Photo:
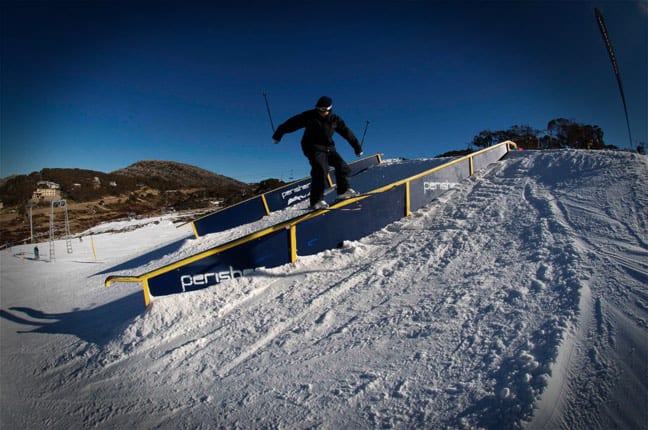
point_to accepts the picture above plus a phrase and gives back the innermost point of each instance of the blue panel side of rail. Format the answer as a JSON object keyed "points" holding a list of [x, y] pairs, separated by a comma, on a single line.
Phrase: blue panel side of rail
{"points": [[269, 251], [234, 216], [329, 230], [489, 157], [362, 165], [430, 187], [288, 195], [386, 173], [281, 198]]}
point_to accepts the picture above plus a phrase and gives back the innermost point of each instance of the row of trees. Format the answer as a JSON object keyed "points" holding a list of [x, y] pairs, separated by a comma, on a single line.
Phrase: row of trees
{"points": [[560, 133]]}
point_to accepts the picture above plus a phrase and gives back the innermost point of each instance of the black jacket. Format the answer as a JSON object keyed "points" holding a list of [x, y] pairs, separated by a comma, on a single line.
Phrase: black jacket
{"points": [[318, 133]]}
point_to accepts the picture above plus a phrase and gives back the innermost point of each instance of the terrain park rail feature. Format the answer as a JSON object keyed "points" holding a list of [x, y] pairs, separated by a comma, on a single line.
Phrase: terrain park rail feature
{"points": [[389, 192], [257, 207]]}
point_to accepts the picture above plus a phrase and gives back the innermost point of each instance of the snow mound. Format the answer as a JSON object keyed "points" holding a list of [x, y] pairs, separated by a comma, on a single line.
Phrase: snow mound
{"points": [[518, 299]]}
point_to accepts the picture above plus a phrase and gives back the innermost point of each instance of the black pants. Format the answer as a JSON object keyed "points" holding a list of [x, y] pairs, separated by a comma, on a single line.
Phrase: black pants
{"points": [[320, 162]]}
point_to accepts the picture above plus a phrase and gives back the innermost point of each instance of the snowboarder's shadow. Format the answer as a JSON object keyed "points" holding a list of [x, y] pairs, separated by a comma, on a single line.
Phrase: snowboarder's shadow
{"points": [[96, 325]]}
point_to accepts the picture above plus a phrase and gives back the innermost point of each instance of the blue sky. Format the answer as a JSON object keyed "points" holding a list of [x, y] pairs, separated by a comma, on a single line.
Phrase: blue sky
{"points": [[103, 84]]}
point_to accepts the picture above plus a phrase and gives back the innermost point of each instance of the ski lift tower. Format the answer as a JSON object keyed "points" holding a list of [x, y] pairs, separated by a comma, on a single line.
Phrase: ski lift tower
{"points": [[68, 242], [30, 206]]}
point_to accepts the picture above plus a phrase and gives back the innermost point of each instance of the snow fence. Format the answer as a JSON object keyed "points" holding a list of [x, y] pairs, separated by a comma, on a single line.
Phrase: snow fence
{"points": [[388, 193]]}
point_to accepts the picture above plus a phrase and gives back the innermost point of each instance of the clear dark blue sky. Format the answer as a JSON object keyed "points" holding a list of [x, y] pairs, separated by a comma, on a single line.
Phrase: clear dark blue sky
{"points": [[102, 84]]}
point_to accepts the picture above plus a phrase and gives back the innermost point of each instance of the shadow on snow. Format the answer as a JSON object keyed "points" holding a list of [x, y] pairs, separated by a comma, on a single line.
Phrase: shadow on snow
{"points": [[97, 325]]}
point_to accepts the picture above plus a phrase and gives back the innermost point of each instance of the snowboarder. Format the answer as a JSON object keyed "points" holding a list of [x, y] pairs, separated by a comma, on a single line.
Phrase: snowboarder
{"points": [[318, 146]]}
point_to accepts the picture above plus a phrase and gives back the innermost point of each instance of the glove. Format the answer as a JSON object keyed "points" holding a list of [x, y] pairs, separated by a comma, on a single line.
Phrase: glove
{"points": [[275, 141]]}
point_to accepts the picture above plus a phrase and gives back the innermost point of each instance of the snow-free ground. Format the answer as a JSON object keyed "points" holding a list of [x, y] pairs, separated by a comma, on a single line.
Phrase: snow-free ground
{"points": [[517, 300]]}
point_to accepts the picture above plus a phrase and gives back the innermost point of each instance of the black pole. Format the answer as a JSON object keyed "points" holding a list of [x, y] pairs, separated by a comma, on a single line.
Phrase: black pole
{"points": [[615, 66], [364, 133], [265, 96]]}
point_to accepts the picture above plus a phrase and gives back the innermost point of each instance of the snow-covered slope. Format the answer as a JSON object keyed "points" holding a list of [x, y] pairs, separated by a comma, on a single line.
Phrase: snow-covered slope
{"points": [[519, 299]]}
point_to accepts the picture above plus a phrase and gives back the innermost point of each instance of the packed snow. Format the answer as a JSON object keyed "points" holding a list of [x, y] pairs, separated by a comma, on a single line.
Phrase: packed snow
{"points": [[519, 299]]}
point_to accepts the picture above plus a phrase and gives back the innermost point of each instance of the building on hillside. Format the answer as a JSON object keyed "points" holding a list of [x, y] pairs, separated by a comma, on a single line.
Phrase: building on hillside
{"points": [[46, 191]]}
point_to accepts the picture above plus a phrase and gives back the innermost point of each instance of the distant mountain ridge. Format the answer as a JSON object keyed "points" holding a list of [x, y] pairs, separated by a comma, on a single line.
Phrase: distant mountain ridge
{"points": [[144, 188], [84, 185], [177, 174]]}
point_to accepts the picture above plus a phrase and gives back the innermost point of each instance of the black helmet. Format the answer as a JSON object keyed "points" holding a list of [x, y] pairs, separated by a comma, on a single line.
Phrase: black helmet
{"points": [[324, 102]]}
